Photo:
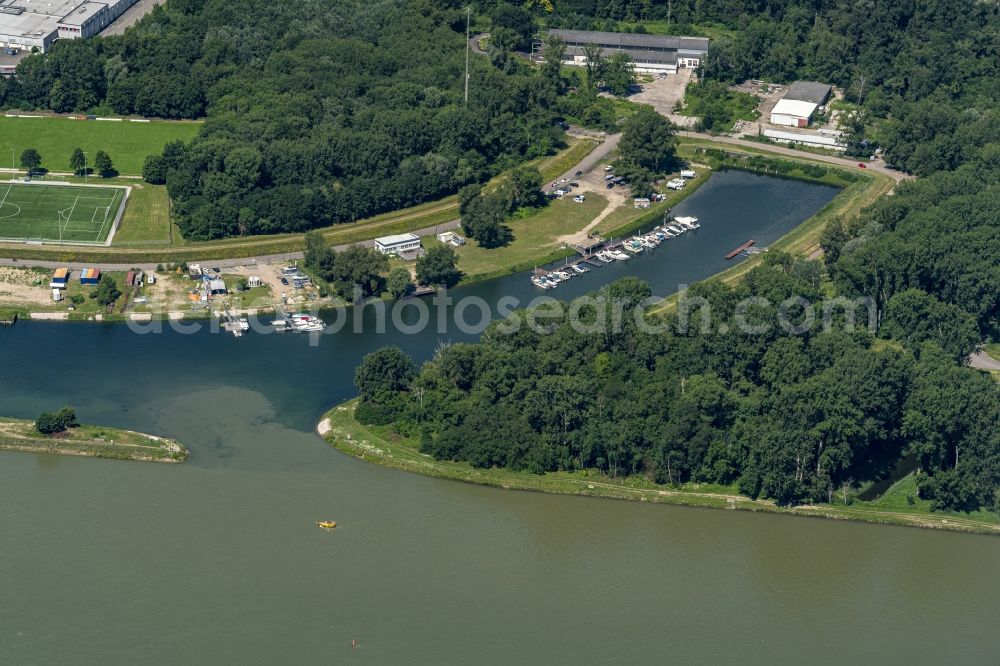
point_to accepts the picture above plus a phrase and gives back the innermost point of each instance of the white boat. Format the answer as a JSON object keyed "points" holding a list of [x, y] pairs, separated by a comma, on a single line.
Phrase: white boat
{"points": [[541, 282], [633, 246], [244, 324], [580, 269], [563, 275], [619, 255], [605, 256], [677, 230], [648, 243], [689, 222], [279, 323]]}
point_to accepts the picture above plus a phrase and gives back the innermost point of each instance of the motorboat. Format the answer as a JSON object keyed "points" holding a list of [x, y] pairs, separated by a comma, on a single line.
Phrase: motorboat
{"points": [[541, 282], [326, 524], [619, 255], [580, 269]]}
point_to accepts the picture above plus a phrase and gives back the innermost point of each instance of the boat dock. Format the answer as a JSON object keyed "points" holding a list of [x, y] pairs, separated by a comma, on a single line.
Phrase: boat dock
{"points": [[598, 252], [233, 324], [740, 249]]}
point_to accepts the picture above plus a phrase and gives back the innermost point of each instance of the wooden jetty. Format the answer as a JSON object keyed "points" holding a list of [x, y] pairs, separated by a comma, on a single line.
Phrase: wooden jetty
{"points": [[741, 248]]}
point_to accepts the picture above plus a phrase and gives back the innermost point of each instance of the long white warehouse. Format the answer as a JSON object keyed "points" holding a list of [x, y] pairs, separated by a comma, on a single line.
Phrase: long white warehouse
{"points": [[37, 24]]}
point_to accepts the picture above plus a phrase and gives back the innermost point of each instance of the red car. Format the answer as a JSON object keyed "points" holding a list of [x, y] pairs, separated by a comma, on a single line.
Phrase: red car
{"points": [[861, 165]]}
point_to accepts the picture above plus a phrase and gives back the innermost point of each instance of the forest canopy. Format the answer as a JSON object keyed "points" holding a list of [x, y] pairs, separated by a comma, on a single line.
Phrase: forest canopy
{"points": [[316, 112]]}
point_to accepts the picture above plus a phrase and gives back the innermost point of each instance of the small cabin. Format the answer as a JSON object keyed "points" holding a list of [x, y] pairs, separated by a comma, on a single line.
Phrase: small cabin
{"points": [[253, 281], [60, 278], [641, 202], [90, 276]]}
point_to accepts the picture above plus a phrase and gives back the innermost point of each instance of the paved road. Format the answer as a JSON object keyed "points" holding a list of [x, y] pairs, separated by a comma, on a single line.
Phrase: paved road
{"points": [[131, 17], [982, 361], [220, 263], [879, 167]]}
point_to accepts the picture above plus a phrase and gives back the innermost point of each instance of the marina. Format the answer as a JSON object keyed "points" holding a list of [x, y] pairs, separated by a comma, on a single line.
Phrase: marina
{"points": [[602, 253]]}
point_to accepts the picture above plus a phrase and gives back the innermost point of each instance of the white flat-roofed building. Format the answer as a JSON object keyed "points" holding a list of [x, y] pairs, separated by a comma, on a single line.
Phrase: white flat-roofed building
{"points": [[792, 113], [28, 24], [398, 244]]}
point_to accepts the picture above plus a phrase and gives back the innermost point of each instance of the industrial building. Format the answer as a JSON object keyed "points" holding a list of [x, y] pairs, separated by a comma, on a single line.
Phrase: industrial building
{"points": [[820, 139], [37, 24], [798, 105], [650, 53]]}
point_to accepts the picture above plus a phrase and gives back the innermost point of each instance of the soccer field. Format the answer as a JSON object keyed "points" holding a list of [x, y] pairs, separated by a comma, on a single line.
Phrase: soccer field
{"points": [[58, 212]]}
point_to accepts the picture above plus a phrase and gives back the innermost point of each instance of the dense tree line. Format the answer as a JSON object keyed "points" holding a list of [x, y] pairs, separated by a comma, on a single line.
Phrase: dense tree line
{"points": [[317, 112], [790, 417], [793, 417]]}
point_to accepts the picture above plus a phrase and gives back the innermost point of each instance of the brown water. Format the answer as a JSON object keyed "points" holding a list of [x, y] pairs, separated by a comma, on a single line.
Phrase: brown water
{"points": [[218, 560]]}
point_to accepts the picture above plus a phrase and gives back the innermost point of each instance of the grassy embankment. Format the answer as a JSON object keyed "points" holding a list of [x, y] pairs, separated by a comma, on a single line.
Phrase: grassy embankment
{"points": [[140, 241], [382, 446], [536, 237], [92, 441], [127, 143]]}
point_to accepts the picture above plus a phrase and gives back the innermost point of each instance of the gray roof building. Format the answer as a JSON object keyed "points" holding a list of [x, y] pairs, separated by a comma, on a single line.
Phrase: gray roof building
{"points": [[632, 40], [648, 52], [808, 91]]}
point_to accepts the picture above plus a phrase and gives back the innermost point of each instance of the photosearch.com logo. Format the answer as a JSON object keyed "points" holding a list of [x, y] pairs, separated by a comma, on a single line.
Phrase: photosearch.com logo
{"points": [[600, 313]]}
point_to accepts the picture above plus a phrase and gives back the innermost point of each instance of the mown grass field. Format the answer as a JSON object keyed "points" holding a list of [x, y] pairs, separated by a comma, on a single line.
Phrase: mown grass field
{"points": [[146, 218], [55, 137], [534, 237], [54, 212]]}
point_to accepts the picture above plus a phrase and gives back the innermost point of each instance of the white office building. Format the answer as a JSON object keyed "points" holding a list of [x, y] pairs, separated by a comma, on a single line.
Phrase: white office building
{"points": [[399, 244]]}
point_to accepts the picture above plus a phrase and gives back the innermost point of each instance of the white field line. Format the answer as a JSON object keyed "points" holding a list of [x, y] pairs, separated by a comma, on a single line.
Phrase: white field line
{"points": [[70, 216], [4, 200], [107, 212]]}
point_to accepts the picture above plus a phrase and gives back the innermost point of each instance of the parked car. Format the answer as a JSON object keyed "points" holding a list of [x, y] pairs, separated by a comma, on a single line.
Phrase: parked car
{"points": [[861, 165], [609, 167], [579, 173], [579, 198], [9, 51], [610, 185], [284, 281], [610, 176]]}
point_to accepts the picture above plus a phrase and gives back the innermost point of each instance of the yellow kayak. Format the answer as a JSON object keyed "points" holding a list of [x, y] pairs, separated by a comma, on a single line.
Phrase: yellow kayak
{"points": [[326, 524]]}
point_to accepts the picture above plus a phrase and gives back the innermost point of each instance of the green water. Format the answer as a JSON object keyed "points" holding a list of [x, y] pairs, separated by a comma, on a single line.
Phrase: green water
{"points": [[218, 560]]}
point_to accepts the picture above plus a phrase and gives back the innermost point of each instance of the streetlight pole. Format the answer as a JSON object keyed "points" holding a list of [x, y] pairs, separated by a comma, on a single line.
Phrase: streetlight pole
{"points": [[85, 168], [468, 18]]}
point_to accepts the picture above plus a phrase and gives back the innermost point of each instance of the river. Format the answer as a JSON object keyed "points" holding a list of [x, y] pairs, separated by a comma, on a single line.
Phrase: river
{"points": [[218, 560]]}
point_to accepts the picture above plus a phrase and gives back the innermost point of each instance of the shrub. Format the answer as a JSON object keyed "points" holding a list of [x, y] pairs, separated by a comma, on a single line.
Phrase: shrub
{"points": [[49, 423]]}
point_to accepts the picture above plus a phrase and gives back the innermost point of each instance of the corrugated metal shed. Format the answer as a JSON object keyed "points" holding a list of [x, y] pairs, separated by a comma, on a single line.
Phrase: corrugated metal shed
{"points": [[90, 276]]}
